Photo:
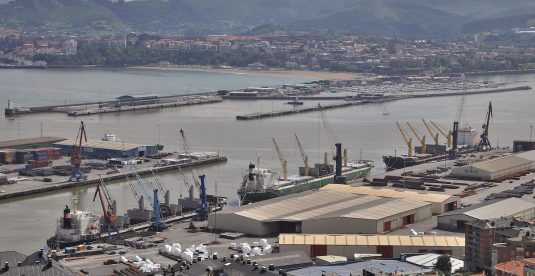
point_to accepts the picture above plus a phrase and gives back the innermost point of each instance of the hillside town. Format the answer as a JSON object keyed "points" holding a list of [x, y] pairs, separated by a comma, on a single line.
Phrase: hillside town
{"points": [[351, 53]]}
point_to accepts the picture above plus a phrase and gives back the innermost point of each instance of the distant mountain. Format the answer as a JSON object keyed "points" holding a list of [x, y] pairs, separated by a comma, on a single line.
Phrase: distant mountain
{"points": [[399, 18]]}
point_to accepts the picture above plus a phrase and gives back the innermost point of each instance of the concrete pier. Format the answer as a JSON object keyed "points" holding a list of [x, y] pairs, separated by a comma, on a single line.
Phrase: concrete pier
{"points": [[25, 189]]}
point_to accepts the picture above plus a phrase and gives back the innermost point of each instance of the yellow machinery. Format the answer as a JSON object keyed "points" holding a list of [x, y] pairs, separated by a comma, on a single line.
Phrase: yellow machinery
{"points": [[421, 139], [448, 135], [430, 130], [283, 161], [303, 154], [408, 140]]}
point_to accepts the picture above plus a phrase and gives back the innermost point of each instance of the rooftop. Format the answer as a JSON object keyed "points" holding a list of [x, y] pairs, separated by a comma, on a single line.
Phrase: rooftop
{"points": [[371, 240], [28, 142], [494, 209], [384, 266], [429, 260], [101, 144], [385, 192]]}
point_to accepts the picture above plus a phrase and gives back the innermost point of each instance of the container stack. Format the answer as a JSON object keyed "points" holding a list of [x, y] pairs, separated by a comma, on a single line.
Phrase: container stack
{"points": [[7, 156], [22, 156]]}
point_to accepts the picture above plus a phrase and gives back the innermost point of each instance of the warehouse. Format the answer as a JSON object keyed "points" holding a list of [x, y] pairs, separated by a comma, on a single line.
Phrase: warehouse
{"points": [[440, 203], [497, 168], [139, 99], [322, 211], [30, 143], [389, 246], [107, 149], [488, 210]]}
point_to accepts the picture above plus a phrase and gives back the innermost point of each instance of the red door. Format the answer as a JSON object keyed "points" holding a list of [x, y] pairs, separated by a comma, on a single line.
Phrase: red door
{"points": [[387, 226], [387, 251], [318, 250]]}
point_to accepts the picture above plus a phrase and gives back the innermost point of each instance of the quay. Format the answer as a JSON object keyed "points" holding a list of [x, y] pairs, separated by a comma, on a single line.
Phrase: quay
{"points": [[31, 188], [276, 113]]}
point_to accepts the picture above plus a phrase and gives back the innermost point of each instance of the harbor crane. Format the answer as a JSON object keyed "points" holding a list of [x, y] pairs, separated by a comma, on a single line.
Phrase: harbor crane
{"points": [[76, 157], [157, 224], [139, 198], [283, 161], [329, 133], [421, 139], [186, 147], [303, 154], [434, 135], [448, 135], [408, 140], [108, 204], [484, 143], [161, 188]]}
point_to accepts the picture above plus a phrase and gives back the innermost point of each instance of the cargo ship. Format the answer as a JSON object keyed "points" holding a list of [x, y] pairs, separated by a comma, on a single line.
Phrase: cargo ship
{"points": [[399, 162], [261, 184], [75, 227]]}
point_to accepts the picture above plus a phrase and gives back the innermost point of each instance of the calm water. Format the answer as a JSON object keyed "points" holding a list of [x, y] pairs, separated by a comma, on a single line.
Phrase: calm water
{"points": [[26, 223]]}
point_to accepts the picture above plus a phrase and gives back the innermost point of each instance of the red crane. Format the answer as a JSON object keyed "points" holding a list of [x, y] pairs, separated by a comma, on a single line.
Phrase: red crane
{"points": [[108, 207], [76, 157], [484, 143]]}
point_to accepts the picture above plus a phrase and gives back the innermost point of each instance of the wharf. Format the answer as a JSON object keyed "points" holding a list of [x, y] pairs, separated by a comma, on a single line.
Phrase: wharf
{"points": [[34, 187], [269, 114]]}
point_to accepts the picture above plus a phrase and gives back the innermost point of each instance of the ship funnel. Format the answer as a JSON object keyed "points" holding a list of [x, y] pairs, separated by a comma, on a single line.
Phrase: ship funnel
{"points": [[338, 178]]}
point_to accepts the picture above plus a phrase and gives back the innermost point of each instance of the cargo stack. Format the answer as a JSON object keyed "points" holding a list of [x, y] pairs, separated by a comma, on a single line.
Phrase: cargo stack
{"points": [[7, 156], [22, 156]]}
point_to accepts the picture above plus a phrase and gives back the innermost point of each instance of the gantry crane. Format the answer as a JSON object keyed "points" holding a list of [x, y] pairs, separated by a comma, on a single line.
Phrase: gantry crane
{"points": [[434, 135], [108, 205], [484, 143], [421, 139], [408, 140], [283, 161], [158, 224], [303, 154], [76, 157], [448, 135]]}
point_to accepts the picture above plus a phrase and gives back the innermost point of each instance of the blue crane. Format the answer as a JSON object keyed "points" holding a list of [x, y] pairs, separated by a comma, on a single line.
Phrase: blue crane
{"points": [[158, 224]]}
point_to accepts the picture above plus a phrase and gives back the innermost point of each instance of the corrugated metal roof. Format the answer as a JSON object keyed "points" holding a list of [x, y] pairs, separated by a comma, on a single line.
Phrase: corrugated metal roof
{"points": [[29, 141], [387, 267], [429, 260], [503, 208], [327, 203], [371, 240], [501, 163], [388, 209], [529, 155], [385, 192], [101, 145]]}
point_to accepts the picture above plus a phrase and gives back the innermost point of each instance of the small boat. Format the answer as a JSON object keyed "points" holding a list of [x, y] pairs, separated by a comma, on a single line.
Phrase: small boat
{"points": [[295, 101], [110, 137]]}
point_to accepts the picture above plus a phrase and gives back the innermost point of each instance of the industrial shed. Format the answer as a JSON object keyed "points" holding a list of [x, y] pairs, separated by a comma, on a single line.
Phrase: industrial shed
{"points": [[497, 168], [492, 209], [322, 211], [389, 246], [107, 149], [440, 203]]}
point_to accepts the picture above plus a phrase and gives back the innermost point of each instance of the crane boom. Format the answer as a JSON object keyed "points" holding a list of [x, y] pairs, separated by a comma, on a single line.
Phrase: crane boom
{"points": [[421, 139], [408, 140], [443, 132], [328, 131], [76, 158], [429, 129], [303, 154], [186, 148], [283, 161], [484, 143]]}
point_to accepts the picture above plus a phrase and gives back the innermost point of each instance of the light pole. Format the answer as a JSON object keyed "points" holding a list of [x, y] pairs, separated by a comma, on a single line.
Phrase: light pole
{"points": [[530, 132]]}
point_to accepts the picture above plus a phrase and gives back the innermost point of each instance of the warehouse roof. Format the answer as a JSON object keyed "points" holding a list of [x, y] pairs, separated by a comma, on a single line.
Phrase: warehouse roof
{"points": [[501, 163], [496, 209], [385, 192], [371, 240], [429, 260], [385, 266], [530, 155], [29, 141], [101, 145], [325, 203]]}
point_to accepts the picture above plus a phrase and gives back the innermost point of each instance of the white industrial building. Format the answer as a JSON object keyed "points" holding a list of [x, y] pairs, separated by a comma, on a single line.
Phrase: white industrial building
{"points": [[497, 168], [440, 203], [389, 246], [488, 210], [330, 211]]}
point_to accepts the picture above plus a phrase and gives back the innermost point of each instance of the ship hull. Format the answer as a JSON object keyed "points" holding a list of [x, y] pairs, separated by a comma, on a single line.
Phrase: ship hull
{"points": [[53, 243], [398, 162], [314, 184]]}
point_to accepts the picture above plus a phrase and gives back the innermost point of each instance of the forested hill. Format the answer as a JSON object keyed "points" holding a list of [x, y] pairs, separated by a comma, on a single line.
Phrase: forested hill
{"points": [[399, 18]]}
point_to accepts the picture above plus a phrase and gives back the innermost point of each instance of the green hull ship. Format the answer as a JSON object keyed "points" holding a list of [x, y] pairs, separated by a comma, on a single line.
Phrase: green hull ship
{"points": [[261, 184]]}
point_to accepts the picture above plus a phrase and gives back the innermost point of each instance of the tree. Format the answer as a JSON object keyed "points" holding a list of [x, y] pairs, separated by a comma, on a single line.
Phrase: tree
{"points": [[443, 265]]}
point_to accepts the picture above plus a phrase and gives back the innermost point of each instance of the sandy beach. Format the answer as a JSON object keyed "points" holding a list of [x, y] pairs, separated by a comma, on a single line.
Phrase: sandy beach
{"points": [[282, 73]]}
